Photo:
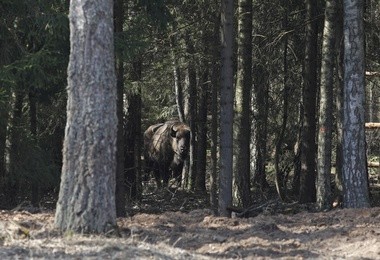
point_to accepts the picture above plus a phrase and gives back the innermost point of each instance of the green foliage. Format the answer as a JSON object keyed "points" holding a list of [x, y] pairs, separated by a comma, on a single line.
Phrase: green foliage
{"points": [[34, 41], [157, 12]]}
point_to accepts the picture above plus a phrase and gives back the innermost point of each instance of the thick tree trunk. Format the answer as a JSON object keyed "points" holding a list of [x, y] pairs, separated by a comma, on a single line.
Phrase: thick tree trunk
{"points": [[226, 109], [242, 171], [86, 201], [355, 175], [308, 138], [326, 107]]}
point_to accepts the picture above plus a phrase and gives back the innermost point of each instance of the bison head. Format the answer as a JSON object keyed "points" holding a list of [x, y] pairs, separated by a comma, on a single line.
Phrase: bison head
{"points": [[181, 139]]}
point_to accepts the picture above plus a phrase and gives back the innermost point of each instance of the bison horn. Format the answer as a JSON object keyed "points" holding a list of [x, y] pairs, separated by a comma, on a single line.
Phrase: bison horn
{"points": [[174, 130]]}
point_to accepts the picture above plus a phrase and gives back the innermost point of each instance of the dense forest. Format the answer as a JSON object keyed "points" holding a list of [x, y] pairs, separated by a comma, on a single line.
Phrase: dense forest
{"points": [[274, 93]]}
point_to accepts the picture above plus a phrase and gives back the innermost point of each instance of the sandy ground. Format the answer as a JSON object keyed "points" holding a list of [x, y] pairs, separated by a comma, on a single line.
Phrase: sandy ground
{"points": [[197, 234]]}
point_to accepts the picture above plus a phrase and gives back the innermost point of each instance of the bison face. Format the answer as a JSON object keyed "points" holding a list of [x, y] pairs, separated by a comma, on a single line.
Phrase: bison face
{"points": [[181, 140]]}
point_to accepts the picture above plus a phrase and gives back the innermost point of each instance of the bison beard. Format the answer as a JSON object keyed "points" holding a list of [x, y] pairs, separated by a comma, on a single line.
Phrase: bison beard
{"points": [[166, 147]]}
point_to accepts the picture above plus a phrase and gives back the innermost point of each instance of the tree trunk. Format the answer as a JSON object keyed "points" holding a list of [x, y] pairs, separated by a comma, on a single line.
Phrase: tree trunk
{"points": [[326, 107], [177, 83], [4, 118], [280, 174], [339, 101], [132, 134], [12, 178], [86, 202], [355, 175], [215, 79], [35, 198], [226, 109], [120, 179], [308, 146], [200, 178], [192, 80], [243, 103]]}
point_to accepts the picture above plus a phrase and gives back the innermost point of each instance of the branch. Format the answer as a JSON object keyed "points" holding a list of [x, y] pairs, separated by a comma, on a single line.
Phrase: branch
{"points": [[372, 73]]}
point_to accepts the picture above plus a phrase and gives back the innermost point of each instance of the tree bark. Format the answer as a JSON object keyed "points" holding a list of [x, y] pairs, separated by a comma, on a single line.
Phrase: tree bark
{"points": [[177, 83], [200, 178], [215, 78], [243, 103], [12, 179], [326, 107], [339, 101], [4, 115], [308, 138], [132, 135], [86, 201], [120, 179], [355, 175], [280, 174], [193, 104], [35, 197], [226, 109]]}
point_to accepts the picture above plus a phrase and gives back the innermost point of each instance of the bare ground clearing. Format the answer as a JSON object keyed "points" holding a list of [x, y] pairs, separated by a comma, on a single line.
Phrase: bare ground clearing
{"points": [[183, 233]]}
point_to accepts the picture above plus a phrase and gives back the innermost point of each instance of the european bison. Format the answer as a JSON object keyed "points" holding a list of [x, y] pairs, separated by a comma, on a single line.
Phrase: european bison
{"points": [[166, 146]]}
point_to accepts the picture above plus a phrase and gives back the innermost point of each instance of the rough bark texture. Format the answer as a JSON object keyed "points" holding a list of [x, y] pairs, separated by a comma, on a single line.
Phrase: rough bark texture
{"points": [[226, 109], [339, 100], [326, 107], [355, 176], [308, 138], [87, 194]]}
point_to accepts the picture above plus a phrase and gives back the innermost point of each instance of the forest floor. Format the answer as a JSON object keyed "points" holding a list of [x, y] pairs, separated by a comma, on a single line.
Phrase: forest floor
{"points": [[178, 225]]}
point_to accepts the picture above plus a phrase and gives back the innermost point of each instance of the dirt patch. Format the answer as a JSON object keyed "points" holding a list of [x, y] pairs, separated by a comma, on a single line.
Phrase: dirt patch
{"points": [[197, 234]]}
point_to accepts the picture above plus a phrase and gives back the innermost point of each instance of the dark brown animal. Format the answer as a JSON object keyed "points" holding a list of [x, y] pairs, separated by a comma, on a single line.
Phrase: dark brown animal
{"points": [[166, 147]]}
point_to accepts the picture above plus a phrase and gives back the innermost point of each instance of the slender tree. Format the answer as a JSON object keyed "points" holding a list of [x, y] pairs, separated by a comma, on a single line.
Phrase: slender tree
{"points": [[35, 180], [339, 100], [226, 108], [193, 104], [280, 175], [243, 102], [200, 178], [215, 79], [355, 175], [132, 133], [87, 194], [120, 178], [177, 81], [308, 137], [326, 107]]}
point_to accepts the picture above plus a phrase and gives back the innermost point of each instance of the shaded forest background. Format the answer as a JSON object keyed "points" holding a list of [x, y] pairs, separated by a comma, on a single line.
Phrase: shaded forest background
{"points": [[168, 56]]}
